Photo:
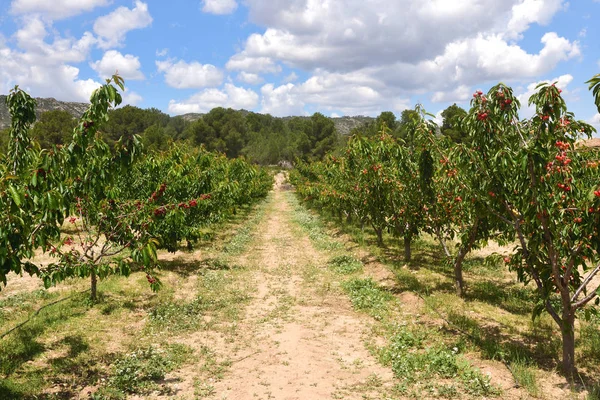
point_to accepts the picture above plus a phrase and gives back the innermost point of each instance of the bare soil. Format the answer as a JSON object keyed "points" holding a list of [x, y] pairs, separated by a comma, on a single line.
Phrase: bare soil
{"points": [[296, 340]]}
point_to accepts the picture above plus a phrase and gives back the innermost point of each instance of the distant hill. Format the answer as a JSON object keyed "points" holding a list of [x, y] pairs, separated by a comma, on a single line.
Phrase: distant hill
{"points": [[343, 124], [43, 105]]}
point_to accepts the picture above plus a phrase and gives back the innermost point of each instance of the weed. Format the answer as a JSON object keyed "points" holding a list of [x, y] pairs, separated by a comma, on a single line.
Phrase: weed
{"points": [[140, 370], [367, 296], [414, 363], [524, 376], [590, 339], [203, 389], [345, 265], [312, 225]]}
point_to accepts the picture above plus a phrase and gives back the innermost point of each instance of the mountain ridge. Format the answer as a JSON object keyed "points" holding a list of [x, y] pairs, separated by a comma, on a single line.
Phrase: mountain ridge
{"points": [[343, 125]]}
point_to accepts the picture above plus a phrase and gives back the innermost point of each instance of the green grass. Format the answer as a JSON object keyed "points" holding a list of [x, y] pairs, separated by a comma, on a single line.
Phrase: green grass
{"points": [[416, 361], [65, 345], [243, 235], [525, 376], [140, 371], [345, 265], [367, 296], [311, 224]]}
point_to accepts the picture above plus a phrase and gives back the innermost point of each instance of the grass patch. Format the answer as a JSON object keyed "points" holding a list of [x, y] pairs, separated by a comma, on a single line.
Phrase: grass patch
{"points": [[415, 364], [367, 296], [590, 339], [345, 265], [525, 376], [218, 296], [311, 224], [243, 235], [140, 371]]}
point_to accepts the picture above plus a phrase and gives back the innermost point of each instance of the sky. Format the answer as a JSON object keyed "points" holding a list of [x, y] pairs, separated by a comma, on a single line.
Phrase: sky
{"points": [[297, 57]]}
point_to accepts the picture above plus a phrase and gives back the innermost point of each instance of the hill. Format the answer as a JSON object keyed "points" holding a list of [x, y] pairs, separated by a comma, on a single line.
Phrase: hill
{"points": [[43, 105], [342, 124]]}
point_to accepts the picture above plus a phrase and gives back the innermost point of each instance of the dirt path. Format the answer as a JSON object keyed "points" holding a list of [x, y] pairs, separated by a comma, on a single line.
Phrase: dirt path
{"points": [[300, 340]]}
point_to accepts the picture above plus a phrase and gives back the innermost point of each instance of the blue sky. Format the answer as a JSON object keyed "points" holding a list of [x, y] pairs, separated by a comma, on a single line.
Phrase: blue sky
{"points": [[295, 57]]}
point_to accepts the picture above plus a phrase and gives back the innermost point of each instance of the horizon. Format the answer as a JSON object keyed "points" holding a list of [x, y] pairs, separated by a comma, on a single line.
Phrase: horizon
{"points": [[339, 58]]}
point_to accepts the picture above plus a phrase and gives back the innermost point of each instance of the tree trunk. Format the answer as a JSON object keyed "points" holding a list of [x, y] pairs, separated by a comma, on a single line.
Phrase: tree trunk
{"points": [[465, 248], [443, 243], [379, 233], [407, 249], [94, 281], [568, 339], [458, 275], [349, 218]]}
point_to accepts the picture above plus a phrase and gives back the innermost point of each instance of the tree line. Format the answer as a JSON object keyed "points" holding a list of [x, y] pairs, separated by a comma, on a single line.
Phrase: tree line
{"points": [[261, 138]]}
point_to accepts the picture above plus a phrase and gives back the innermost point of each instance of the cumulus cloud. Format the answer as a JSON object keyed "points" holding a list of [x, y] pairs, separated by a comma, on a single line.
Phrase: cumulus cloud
{"points": [[42, 68], [128, 66], [131, 98], [249, 78], [351, 34], [461, 93], [528, 12], [219, 7], [182, 75], [57, 9], [281, 101], [204, 101], [351, 94], [113, 27], [292, 77], [243, 62], [379, 48]]}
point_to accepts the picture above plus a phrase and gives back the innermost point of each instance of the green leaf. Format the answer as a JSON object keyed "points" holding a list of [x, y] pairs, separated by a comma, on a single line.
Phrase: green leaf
{"points": [[16, 196]]}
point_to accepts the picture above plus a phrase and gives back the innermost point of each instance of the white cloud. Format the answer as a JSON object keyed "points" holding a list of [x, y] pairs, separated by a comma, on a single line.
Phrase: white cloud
{"points": [[461, 93], [182, 75], [281, 101], [342, 35], [204, 101], [162, 53], [351, 94], [241, 62], [42, 68], [528, 12], [219, 7], [131, 98], [113, 27], [128, 66], [31, 38], [249, 78], [56, 9], [292, 77], [404, 46]]}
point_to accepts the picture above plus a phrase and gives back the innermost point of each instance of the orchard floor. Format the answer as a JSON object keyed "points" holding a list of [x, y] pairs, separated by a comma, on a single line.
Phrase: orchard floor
{"points": [[264, 313]]}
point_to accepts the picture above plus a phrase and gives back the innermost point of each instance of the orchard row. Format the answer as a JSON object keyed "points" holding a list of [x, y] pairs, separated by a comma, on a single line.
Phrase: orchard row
{"points": [[523, 181], [117, 205]]}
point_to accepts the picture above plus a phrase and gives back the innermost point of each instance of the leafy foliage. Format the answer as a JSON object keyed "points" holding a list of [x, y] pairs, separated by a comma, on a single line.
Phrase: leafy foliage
{"points": [[506, 179]]}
